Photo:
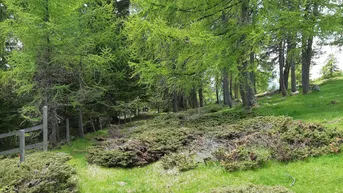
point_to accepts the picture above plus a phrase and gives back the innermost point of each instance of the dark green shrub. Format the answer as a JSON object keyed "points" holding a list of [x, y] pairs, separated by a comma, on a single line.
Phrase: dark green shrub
{"points": [[181, 161], [242, 158], [244, 141], [260, 139], [142, 149], [112, 158], [40, 173]]}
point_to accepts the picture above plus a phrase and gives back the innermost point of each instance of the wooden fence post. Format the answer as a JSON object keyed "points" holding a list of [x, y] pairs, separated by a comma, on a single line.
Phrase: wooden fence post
{"points": [[45, 128], [22, 145], [67, 131]]}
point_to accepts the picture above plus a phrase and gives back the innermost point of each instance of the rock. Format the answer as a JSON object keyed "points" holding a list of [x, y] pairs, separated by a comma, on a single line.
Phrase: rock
{"points": [[316, 88], [122, 183], [238, 101], [295, 93]]}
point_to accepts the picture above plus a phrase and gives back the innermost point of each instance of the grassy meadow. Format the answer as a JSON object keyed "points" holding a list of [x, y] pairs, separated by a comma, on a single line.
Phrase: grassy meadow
{"points": [[313, 175]]}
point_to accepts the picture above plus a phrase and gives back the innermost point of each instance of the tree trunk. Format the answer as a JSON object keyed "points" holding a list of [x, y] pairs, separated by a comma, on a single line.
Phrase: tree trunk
{"points": [[226, 92], [231, 84], [58, 138], [194, 99], [289, 60], [201, 97], [54, 125], [253, 75], [125, 116], [306, 63], [181, 101], [92, 123], [100, 123], [307, 42], [293, 78], [291, 46], [175, 101], [281, 65], [286, 73], [246, 72], [119, 114], [251, 90], [243, 94], [236, 88], [217, 90], [81, 132]]}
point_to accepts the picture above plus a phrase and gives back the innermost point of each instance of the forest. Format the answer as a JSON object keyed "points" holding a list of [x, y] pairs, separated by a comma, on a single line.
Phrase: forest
{"points": [[171, 96]]}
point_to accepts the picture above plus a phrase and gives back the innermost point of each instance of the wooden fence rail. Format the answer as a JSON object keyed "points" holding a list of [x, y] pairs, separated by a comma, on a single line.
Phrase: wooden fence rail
{"points": [[21, 133]]}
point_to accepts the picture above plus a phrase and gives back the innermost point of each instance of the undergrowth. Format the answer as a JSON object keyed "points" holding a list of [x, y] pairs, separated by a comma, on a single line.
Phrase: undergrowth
{"points": [[238, 141], [40, 173]]}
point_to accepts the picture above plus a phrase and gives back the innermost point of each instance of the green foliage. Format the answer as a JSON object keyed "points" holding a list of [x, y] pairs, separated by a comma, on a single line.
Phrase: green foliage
{"points": [[113, 158], [182, 161], [331, 70], [241, 141], [40, 173], [243, 158], [264, 138], [314, 107], [143, 147]]}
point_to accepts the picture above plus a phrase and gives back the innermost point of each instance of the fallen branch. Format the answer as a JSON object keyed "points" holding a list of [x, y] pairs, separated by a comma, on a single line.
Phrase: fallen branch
{"points": [[334, 121], [292, 179]]}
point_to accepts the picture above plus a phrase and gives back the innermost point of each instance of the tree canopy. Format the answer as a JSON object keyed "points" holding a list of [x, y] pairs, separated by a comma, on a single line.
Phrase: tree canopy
{"points": [[97, 59]]}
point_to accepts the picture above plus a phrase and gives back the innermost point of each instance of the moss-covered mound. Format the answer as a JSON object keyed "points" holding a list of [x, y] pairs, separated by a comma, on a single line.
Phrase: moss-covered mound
{"points": [[252, 189], [40, 173], [140, 148], [202, 118], [181, 161], [250, 143], [239, 141]]}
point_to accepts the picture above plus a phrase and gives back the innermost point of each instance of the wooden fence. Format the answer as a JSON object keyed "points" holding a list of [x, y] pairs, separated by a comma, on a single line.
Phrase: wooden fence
{"points": [[21, 134]]}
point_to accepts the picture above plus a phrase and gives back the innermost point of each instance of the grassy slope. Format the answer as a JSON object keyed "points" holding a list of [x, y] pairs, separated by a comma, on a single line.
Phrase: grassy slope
{"points": [[315, 107], [313, 175]]}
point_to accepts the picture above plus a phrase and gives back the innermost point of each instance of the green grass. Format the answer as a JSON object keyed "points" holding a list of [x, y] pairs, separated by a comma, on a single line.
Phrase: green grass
{"points": [[312, 175], [315, 175], [314, 107]]}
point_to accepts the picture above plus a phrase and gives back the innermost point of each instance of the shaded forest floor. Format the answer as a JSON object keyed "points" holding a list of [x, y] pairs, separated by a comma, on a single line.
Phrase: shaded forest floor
{"points": [[321, 174]]}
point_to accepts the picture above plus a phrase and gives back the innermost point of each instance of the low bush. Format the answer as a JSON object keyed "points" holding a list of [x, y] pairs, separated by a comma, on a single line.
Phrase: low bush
{"points": [[250, 143], [182, 161], [238, 140], [242, 158], [40, 173], [139, 149]]}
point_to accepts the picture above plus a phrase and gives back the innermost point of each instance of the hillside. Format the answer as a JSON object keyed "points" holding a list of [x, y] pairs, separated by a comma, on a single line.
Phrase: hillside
{"points": [[178, 147]]}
